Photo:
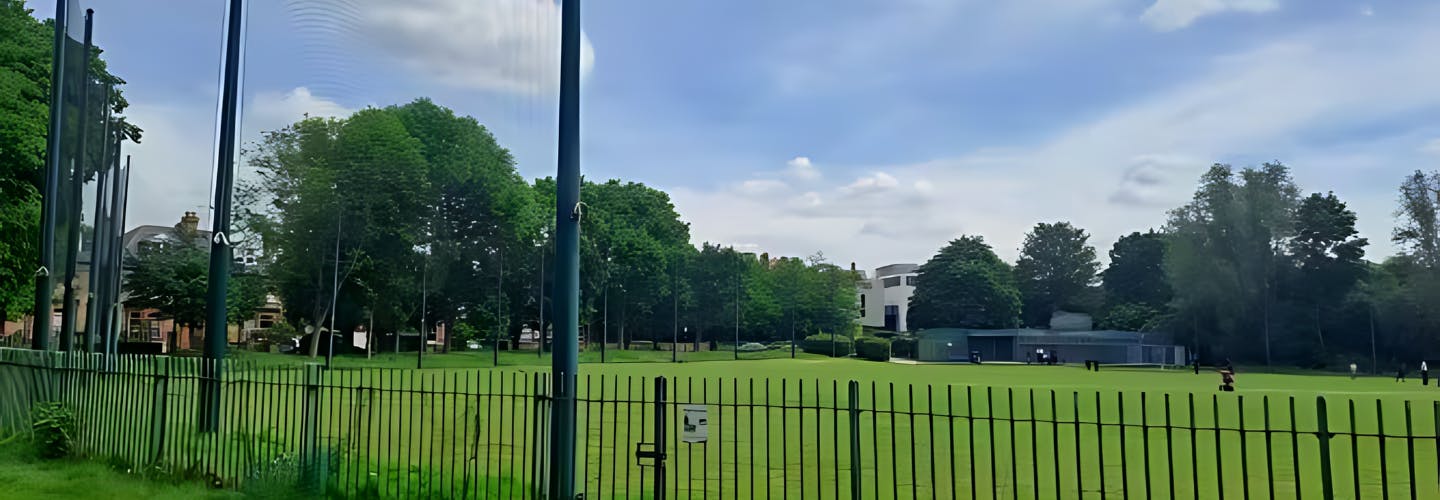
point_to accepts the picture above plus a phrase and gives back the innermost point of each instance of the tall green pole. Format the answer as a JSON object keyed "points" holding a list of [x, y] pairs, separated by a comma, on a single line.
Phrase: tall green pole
{"points": [[566, 293], [219, 279], [71, 303], [44, 278]]}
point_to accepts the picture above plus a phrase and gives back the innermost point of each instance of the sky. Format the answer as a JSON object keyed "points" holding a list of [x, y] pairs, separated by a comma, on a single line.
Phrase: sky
{"points": [[873, 131]]}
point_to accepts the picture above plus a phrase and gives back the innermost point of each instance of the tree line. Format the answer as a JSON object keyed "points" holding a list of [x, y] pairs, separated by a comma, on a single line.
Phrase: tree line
{"points": [[406, 214], [1250, 269]]}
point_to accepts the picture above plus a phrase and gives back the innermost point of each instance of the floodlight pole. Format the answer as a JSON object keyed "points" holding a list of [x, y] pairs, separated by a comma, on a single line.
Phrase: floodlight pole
{"points": [[77, 203], [44, 276], [566, 292], [220, 250]]}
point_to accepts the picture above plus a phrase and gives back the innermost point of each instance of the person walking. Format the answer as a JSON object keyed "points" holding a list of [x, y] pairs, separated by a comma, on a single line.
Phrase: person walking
{"points": [[1424, 373], [1400, 373], [1353, 370]]}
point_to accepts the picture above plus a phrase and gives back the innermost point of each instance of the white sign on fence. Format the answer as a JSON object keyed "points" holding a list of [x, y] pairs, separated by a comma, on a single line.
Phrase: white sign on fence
{"points": [[695, 424]]}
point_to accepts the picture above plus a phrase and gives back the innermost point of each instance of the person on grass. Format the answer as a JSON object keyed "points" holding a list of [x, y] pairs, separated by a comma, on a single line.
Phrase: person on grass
{"points": [[1424, 373], [1353, 369], [1400, 373]]}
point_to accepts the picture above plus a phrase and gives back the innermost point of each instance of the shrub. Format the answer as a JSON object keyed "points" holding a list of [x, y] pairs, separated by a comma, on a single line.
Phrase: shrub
{"points": [[820, 343], [752, 347], [903, 347], [873, 348], [54, 425]]}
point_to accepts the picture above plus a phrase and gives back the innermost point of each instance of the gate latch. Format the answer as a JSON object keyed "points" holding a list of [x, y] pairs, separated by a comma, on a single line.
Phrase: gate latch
{"points": [[648, 451]]}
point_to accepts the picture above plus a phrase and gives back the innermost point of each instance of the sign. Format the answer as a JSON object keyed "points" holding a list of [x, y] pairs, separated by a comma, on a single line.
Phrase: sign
{"points": [[361, 340], [694, 424]]}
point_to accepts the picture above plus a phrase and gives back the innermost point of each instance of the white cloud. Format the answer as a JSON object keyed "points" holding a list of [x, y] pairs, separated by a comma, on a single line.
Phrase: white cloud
{"points": [[874, 183], [801, 168], [1170, 15], [1121, 170], [1431, 147], [491, 45], [273, 110], [759, 187]]}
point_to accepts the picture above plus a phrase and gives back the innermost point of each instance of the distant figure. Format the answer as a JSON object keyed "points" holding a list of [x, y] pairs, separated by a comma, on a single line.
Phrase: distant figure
{"points": [[1400, 373], [1196, 363], [1353, 369], [1424, 373], [1227, 381]]}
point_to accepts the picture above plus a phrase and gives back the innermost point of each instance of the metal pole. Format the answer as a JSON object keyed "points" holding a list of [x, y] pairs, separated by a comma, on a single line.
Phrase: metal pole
{"points": [[499, 303], [424, 298], [736, 350], [564, 365], [1374, 360], [99, 267], [605, 316], [334, 293], [540, 333], [44, 278], [675, 321], [77, 193], [117, 253], [219, 283]]}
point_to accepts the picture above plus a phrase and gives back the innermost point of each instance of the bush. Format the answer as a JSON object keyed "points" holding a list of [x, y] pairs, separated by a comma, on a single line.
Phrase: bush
{"points": [[873, 348], [820, 343], [752, 347], [903, 347], [54, 426]]}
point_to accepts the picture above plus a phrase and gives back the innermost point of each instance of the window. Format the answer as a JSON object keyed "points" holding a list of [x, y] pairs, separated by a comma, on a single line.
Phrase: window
{"points": [[862, 305], [911, 280], [892, 281]]}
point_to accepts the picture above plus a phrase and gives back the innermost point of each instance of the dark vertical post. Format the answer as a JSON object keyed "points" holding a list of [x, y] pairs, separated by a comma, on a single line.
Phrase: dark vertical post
{"points": [[675, 311], [77, 202], [215, 321], [540, 303], [567, 259], [44, 279], [99, 267], [855, 470], [1327, 486]]}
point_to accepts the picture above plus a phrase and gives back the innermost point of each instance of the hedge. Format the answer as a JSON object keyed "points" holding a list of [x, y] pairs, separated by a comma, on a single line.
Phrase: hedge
{"points": [[903, 347], [820, 344], [873, 348]]}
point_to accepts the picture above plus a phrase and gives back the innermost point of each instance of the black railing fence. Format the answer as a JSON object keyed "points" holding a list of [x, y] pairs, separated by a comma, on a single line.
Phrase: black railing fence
{"points": [[484, 433]]}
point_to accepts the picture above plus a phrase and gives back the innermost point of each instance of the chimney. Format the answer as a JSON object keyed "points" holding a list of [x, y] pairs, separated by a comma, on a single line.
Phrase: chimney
{"points": [[190, 223], [852, 267]]}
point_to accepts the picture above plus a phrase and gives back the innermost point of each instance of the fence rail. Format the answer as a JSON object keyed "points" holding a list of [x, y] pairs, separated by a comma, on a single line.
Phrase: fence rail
{"points": [[484, 434]]}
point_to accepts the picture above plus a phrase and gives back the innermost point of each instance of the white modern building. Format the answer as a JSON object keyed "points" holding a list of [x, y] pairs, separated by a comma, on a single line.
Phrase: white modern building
{"points": [[885, 296]]}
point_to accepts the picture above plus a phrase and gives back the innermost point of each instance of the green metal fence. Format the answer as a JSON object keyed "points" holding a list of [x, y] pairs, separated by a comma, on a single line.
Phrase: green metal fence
{"points": [[483, 433]]}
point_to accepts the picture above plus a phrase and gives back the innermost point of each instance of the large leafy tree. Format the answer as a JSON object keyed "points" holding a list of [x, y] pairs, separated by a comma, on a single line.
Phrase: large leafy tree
{"points": [[1056, 267], [965, 285], [1328, 256], [25, 62], [1136, 289], [1419, 217], [170, 276], [1224, 248]]}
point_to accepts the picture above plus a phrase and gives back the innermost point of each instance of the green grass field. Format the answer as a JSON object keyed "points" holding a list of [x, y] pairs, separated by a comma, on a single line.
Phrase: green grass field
{"points": [[23, 476], [783, 427]]}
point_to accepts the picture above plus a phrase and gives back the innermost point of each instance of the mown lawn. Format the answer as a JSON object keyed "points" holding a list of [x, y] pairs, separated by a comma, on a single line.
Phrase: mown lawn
{"points": [[784, 427]]}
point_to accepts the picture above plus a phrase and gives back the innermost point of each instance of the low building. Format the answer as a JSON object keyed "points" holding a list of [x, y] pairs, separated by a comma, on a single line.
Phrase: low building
{"points": [[885, 297], [1024, 344]]}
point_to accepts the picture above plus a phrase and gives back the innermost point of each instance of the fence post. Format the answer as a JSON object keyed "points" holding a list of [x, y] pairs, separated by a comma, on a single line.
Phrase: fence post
{"points": [[661, 432], [312, 475], [855, 483], [1327, 486], [157, 407]]}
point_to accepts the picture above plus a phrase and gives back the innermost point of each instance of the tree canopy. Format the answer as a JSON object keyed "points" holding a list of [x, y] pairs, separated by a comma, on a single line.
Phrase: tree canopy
{"points": [[965, 285], [1056, 267]]}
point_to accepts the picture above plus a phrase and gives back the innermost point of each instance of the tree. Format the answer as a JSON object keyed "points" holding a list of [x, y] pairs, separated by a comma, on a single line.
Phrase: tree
{"points": [[170, 276], [1419, 215], [25, 63], [1327, 255], [1136, 274], [1223, 247], [1056, 267], [247, 294], [965, 285]]}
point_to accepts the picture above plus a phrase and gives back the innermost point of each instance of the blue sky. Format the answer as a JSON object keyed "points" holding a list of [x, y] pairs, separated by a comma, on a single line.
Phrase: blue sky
{"points": [[871, 130]]}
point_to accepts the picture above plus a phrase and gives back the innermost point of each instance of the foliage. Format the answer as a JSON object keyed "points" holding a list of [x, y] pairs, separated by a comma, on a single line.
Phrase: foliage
{"points": [[824, 345], [965, 286], [1055, 268], [25, 57], [1131, 317], [1224, 247], [904, 347], [54, 425], [1136, 274], [1419, 215], [246, 295], [171, 276], [873, 348]]}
